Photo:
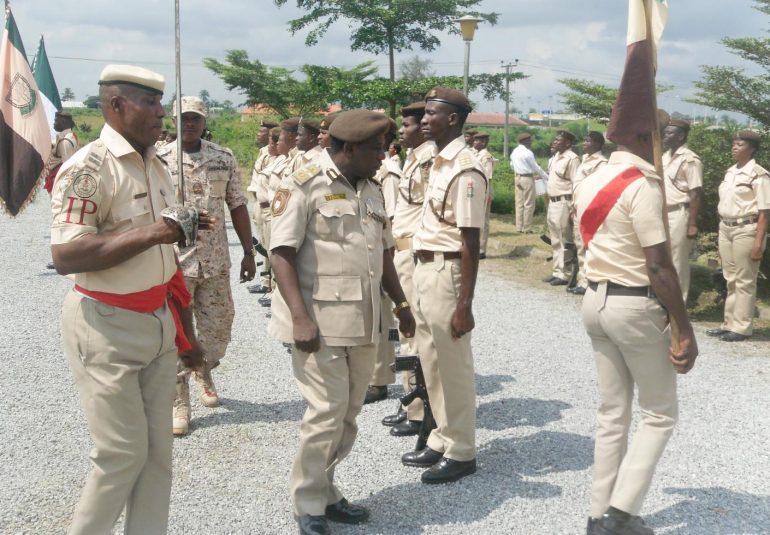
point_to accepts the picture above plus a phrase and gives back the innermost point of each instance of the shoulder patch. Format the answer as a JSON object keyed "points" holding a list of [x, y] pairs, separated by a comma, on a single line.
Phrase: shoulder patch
{"points": [[304, 174], [280, 201], [84, 185]]}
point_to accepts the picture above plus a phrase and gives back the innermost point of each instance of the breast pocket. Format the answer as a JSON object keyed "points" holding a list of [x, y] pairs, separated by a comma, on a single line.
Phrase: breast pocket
{"points": [[135, 213], [330, 220], [744, 192], [338, 306], [218, 183]]}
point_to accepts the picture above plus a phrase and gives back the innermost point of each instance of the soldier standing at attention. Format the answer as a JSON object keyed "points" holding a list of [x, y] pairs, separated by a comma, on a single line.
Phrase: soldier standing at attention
{"points": [[592, 160], [289, 132], [211, 179], [264, 158], [683, 176], [633, 289], [446, 247], [324, 140], [487, 161], [411, 194], [562, 171], [526, 170], [744, 212], [468, 136], [307, 145], [332, 249], [118, 331], [263, 207], [65, 145]]}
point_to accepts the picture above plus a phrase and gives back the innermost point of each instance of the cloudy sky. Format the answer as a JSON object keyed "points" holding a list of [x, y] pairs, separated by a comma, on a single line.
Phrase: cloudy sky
{"points": [[551, 40]]}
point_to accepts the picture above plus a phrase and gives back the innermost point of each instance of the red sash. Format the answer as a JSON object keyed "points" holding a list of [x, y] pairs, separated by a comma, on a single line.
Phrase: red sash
{"points": [[605, 200], [49, 178], [174, 291]]}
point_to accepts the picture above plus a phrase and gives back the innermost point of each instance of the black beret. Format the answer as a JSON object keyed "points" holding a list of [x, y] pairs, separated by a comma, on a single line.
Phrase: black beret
{"points": [[680, 123], [596, 136], [355, 126], [482, 135], [447, 95], [566, 135]]}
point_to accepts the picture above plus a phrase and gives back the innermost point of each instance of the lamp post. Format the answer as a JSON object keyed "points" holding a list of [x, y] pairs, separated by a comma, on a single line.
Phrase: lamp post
{"points": [[468, 25]]}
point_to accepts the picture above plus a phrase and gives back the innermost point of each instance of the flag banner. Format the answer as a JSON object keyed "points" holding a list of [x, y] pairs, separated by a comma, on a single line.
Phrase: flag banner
{"points": [[49, 93], [25, 141], [634, 111]]}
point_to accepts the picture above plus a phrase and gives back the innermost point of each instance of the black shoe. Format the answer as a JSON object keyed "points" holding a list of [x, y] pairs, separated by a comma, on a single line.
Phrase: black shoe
{"points": [[592, 526], [716, 332], [50, 265], [482, 256], [617, 522], [577, 290], [375, 393], [257, 289], [313, 525], [394, 419], [406, 429], [347, 513], [447, 470], [422, 459], [730, 336], [556, 281], [548, 279]]}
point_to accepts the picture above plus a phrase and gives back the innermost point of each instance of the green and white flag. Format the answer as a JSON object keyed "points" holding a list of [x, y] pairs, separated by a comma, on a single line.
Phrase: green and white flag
{"points": [[49, 94], [25, 141]]}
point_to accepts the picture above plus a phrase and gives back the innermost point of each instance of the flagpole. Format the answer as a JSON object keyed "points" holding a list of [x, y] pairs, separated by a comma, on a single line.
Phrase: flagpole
{"points": [[180, 169], [657, 152]]}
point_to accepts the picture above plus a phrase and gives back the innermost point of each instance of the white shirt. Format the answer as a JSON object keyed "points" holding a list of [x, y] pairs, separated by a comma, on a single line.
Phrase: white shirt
{"points": [[523, 163]]}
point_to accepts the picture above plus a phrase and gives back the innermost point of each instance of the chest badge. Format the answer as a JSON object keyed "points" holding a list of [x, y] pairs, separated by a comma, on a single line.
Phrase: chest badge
{"points": [[197, 188]]}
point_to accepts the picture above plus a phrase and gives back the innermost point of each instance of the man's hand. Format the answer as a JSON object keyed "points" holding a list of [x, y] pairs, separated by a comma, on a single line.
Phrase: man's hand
{"points": [[194, 358], [684, 359], [306, 336], [406, 323], [166, 231], [248, 268], [462, 321], [756, 252], [692, 231], [205, 221]]}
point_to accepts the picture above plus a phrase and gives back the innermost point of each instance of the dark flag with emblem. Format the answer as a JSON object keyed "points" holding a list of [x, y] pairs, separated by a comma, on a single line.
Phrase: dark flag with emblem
{"points": [[25, 140], [635, 108]]}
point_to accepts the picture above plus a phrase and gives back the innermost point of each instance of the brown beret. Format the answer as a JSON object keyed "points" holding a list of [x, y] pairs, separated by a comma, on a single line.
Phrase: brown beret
{"points": [[393, 129], [566, 134], [327, 121], [267, 124], [680, 123], [355, 126], [310, 124], [275, 132], [415, 109], [523, 136], [453, 97], [291, 125], [482, 135], [748, 135]]}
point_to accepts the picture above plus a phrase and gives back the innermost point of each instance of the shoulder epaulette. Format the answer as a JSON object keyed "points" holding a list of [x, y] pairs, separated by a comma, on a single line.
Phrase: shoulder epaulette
{"points": [[759, 170], [95, 157], [304, 174], [466, 161]]}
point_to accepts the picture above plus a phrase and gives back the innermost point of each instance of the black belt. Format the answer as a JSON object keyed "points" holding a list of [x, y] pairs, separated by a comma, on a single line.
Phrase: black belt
{"points": [[740, 221], [628, 291], [675, 207], [526, 175], [427, 256], [560, 198], [264, 205]]}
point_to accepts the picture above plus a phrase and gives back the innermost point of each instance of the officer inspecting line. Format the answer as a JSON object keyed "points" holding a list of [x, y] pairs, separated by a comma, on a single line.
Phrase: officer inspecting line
{"points": [[333, 248]]}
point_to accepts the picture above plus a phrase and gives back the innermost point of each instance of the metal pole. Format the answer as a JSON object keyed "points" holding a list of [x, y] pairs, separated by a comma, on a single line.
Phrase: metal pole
{"points": [[180, 169], [467, 65], [507, 107]]}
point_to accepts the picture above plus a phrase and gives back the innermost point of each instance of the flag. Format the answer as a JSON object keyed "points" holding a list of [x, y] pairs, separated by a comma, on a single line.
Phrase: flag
{"points": [[635, 111], [25, 142], [49, 94]]}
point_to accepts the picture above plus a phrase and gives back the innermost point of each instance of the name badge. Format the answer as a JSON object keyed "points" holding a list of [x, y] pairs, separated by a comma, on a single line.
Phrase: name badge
{"points": [[335, 197]]}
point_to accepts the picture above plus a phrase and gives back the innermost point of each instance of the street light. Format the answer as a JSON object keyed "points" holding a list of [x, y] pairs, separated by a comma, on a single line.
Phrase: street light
{"points": [[468, 25]]}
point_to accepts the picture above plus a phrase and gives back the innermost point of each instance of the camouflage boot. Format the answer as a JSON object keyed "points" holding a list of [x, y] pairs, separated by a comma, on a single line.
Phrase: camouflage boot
{"points": [[181, 413], [208, 397]]}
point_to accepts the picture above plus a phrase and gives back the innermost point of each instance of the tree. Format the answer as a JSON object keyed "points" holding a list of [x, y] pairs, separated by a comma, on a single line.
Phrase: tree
{"points": [[92, 102], [205, 96], [591, 99], [380, 26], [67, 94], [730, 88], [415, 69]]}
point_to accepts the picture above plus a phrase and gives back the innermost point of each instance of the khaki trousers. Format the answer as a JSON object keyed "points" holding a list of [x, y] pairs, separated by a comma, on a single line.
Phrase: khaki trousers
{"points": [[524, 196], [580, 281], [404, 263], [446, 362], [333, 382], [124, 367], [740, 272], [485, 229], [214, 312], [560, 230], [386, 353], [681, 246], [631, 341]]}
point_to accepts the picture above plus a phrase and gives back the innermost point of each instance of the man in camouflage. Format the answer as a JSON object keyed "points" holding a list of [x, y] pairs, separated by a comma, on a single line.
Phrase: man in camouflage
{"points": [[211, 179]]}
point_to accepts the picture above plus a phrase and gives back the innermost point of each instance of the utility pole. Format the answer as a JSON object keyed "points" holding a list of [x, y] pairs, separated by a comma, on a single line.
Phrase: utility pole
{"points": [[507, 68]]}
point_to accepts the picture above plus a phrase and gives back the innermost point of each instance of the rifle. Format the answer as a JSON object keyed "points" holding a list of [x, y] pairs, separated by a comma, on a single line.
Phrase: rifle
{"points": [[411, 363]]}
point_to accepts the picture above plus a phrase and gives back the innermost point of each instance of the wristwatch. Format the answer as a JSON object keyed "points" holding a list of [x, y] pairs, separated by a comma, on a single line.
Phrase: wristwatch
{"points": [[250, 252], [399, 307]]}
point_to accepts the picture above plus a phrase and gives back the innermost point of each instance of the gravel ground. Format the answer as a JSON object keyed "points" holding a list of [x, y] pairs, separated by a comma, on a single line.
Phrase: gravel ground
{"points": [[536, 407]]}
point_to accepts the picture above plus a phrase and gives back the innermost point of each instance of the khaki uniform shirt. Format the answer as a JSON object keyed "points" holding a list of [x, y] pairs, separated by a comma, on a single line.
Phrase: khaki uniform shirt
{"points": [[65, 145], [340, 233], [109, 187], [411, 190], [562, 170], [211, 179], [455, 198], [263, 160], [615, 253], [487, 162], [303, 158], [683, 171], [291, 158], [744, 192], [388, 176], [589, 164]]}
